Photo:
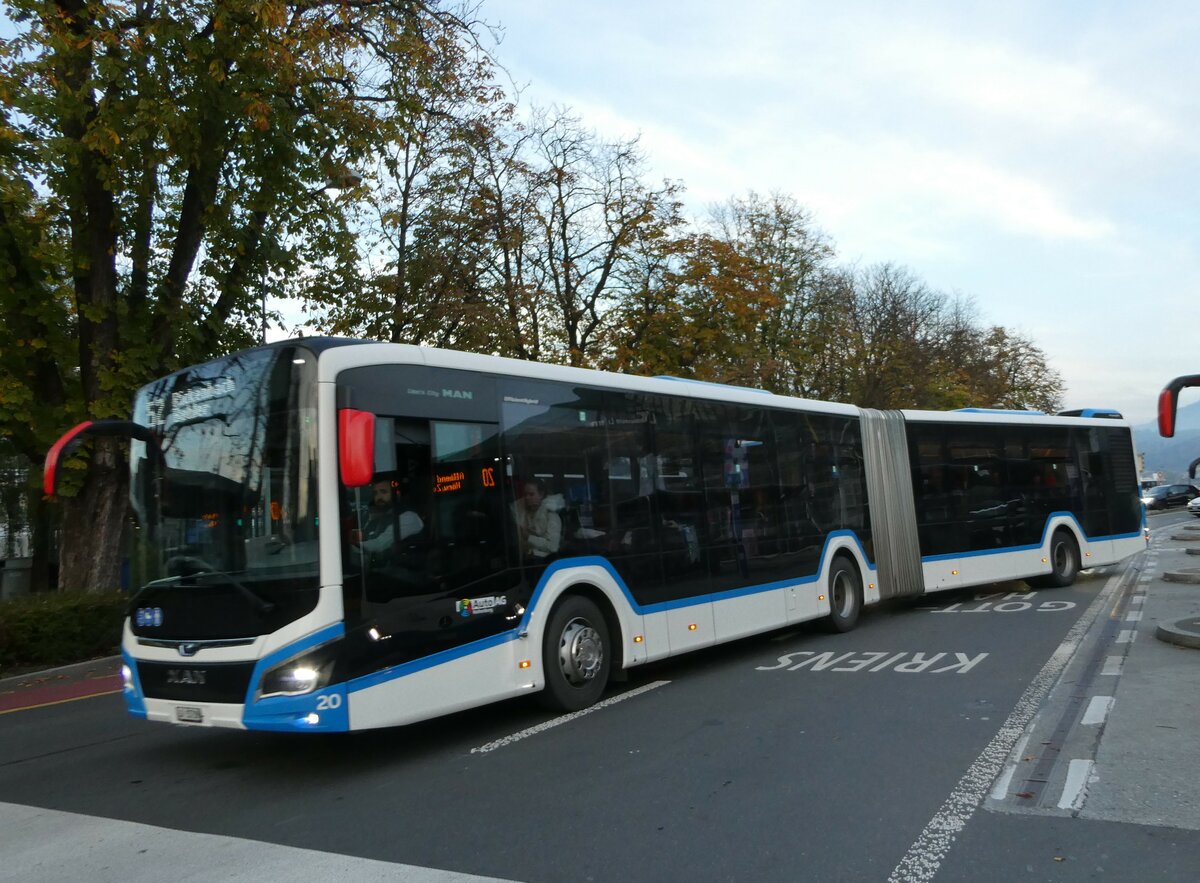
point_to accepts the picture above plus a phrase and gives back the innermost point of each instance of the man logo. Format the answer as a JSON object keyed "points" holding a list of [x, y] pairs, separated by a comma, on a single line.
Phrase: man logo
{"points": [[188, 648], [191, 677]]}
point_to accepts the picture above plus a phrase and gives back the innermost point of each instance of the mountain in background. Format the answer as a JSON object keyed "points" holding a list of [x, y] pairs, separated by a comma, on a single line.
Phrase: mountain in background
{"points": [[1171, 456]]}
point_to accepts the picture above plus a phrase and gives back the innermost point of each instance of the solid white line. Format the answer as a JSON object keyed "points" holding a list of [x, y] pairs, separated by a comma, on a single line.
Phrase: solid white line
{"points": [[924, 857], [1075, 789], [1097, 711], [1112, 665], [1133, 616], [1126, 636], [566, 718]]}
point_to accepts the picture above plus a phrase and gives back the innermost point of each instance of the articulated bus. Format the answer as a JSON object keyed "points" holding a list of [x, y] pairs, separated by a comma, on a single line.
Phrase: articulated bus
{"points": [[336, 535]]}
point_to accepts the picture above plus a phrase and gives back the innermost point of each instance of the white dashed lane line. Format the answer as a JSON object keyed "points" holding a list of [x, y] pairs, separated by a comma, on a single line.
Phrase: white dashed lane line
{"points": [[1097, 711], [566, 718], [1078, 774]]}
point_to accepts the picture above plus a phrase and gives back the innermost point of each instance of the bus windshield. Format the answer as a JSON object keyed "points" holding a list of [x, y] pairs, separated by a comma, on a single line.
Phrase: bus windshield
{"points": [[229, 509]]}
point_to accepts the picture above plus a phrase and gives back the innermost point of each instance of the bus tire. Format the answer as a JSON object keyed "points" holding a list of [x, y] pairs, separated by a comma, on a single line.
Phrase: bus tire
{"points": [[1064, 563], [576, 655], [845, 596]]}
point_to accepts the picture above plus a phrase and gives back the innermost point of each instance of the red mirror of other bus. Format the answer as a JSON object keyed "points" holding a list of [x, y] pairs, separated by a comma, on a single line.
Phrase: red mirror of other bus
{"points": [[356, 447], [1168, 400]]}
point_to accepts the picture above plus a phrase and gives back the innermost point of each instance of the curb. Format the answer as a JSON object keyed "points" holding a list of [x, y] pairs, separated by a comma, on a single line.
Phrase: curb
{"points": [[1188, 575], [105, 665], [1184, 632]]}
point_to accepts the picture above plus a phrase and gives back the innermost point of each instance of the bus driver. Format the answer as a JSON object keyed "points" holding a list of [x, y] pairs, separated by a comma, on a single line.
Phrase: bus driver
{"points": [[379, 528]]}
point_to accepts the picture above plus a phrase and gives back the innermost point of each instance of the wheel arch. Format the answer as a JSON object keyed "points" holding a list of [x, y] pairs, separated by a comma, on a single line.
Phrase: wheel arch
{"points": [[848, 546], [598, 585], [1073, 529]]}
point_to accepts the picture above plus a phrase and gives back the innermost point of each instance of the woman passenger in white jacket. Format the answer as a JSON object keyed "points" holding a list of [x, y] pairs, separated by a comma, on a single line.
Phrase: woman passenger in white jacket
{"points": [[539, 526]]}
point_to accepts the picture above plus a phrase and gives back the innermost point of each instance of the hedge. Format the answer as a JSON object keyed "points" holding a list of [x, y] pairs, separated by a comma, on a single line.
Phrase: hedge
{"points": [[46, 630]]}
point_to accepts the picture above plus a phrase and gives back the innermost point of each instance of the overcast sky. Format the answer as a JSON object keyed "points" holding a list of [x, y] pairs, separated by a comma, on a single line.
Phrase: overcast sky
{"points": [[1040, 157]]}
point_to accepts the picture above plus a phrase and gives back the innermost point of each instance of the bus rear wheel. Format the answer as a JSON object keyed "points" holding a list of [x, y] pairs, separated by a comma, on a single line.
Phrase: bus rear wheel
{"points": [[576, 655], [1064, 563], [845, 596]]}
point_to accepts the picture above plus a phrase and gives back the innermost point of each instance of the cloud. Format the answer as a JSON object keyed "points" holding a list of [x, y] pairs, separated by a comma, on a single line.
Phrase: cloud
{"points": [[1009, 87]]}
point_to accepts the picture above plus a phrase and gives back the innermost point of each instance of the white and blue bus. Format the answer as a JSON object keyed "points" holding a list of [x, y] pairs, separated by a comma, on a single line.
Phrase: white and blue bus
{"points": [[336, 535]]}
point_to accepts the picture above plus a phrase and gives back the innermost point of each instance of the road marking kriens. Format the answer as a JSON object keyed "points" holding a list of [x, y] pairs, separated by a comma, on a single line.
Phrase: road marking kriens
{"points": [[1113, 665], [877, 660], [1133, 616], [924, 857], [566, 718], [1127, 636]]}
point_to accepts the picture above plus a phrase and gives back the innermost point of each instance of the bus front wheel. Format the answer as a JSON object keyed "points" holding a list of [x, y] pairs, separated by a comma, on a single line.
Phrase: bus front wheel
{"points": [[1064, 563], [576, 655], [845, 596]]}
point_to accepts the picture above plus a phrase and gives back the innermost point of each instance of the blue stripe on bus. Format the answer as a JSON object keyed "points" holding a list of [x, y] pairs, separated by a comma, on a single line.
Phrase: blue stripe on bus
{"points": [[289, 713], [662, 606], [435, 659], [497, 640], [444, 656], [951, 556]]}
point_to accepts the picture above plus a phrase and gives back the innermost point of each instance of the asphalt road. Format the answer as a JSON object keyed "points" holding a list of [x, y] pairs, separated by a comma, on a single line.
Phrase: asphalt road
{"points": [[795, 755]]}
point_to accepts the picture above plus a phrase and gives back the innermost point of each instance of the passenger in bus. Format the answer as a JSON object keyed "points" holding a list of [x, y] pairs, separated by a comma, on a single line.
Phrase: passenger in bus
{"points": [[539, 526], [385, 513]]}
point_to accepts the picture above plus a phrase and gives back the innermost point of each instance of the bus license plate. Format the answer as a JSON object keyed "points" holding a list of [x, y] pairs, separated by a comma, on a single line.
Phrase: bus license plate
{"points": [[189, 714]]}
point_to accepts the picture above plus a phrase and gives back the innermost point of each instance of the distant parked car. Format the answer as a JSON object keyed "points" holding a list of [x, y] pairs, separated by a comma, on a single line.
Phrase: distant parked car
{"points": [[1194, 507], [1167, 495]]}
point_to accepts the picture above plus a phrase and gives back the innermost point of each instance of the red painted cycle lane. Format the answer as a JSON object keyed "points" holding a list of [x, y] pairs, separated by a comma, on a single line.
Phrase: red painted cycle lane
{"points": [[38, 694]]}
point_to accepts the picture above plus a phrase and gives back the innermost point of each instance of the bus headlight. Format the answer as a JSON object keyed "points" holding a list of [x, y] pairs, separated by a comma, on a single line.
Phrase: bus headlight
{"points": [[295, 678], [308, 671]]}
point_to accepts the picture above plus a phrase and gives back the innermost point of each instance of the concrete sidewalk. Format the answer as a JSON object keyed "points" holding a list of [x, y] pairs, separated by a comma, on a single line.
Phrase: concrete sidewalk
{"points": [[1117, 737], [1145, 756], [1146, 759]]}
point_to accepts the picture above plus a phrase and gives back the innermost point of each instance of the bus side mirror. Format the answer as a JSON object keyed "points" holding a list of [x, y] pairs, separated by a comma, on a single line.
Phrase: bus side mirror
{"points": [[1168, 399], [356, 447], [73, 437]]}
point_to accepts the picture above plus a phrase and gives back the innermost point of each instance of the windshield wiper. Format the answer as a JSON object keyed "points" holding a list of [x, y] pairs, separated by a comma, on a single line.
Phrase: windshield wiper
{"points": [[200, 567]]}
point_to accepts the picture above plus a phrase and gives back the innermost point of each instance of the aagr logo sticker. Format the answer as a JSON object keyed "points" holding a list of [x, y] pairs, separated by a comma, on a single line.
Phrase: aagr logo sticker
{"points": [[471, 606]]}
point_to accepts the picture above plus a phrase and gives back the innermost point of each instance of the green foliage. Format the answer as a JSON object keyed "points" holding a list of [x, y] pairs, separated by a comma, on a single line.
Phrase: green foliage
{"points": [[58, 629], [161, 166]]}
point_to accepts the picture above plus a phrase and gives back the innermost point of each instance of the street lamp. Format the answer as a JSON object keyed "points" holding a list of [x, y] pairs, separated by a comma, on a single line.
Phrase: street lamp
{"points": [[341, 179]]}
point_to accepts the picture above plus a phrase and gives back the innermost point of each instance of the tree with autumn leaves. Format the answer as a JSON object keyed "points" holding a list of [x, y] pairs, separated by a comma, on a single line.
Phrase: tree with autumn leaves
{"points": [[163, 168], [162, 164]]}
